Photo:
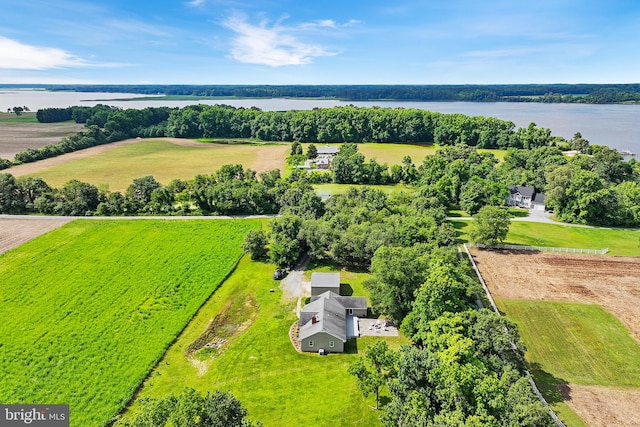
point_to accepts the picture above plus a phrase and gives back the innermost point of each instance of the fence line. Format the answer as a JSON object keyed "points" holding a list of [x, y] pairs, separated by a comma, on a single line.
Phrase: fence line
{"points": [[540, 249], [557, 420]]}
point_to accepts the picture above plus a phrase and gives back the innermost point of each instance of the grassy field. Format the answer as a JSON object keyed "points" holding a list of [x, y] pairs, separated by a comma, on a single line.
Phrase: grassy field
{"points": [[28, 117], [165, 161], [87, 310], [257, 362], [619, 242], [333, 189], [574, 343]]}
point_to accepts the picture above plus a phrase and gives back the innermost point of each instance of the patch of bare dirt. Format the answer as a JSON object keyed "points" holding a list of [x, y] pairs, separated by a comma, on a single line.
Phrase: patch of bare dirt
{"points": [[603, 406], [17, 137], [611, 282], [14, 232], [221, 329]]}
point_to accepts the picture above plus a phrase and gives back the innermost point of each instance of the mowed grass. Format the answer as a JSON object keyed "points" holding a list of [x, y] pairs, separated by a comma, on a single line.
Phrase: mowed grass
{"points": [[28, 117], [335, 189], [258, 364], [87, 310], [164, 160], [579, 343], [619, 242], [574, 343]]}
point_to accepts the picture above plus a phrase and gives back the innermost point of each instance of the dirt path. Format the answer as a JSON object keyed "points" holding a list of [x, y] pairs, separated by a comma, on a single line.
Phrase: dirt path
{"points": [[294, 285], [16, 231]]}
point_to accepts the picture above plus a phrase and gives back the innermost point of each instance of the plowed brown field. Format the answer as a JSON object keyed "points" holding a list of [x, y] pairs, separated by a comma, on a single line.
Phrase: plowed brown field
{"points": [[611, 282], [14, 232]]}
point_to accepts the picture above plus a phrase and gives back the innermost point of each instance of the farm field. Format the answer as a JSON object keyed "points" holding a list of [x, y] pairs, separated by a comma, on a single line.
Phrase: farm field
{"points": [[257, 362], [20, 133], [16, 231], [88, 309], [165, 159], [579, 316], [620, 242]]}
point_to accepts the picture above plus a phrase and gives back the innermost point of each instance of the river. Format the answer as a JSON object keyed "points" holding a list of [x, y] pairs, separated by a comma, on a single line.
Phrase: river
{"points": [[612, 124]]}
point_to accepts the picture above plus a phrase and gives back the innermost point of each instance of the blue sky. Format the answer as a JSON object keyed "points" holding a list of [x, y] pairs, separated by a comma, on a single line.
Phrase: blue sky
{"points": [[320, 42]]}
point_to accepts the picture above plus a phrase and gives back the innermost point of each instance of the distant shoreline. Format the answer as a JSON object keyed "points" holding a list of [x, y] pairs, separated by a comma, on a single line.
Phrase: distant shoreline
{"points": [[529, 93]]}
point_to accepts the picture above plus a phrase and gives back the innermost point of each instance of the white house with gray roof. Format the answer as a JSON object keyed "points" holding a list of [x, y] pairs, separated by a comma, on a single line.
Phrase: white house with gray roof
{"points": [[329, 321]]}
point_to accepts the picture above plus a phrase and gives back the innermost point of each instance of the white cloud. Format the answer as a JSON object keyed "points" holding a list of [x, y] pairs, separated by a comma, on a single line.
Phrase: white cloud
{"points": [[274, 45], [20, 56], [195, 3]]}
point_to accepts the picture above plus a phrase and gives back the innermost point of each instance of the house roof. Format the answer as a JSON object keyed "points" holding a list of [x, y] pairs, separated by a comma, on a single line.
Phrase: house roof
{"points": [[524, 191], [325, 149], [323, 315], [325, 280], [540, 198], [346, 302]]}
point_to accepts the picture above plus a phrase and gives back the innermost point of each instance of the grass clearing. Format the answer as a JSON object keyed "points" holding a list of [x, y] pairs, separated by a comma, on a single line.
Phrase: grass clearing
{"points": [[620, 242], [87, 310], [258, 364], [164, 159], [577, 344], [335, 189], [28, 117]]}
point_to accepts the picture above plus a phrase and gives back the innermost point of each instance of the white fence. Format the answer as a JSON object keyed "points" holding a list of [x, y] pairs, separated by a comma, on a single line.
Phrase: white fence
{"points": [[541, 249], [557, 420]]}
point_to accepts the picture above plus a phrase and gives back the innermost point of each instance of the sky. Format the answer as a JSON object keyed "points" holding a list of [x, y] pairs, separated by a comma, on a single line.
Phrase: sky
{"points": [[289, 42]]}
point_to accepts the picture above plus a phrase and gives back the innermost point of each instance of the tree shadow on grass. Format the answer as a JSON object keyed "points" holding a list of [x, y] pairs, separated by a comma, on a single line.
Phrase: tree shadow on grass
{"points": [[554, 389]]}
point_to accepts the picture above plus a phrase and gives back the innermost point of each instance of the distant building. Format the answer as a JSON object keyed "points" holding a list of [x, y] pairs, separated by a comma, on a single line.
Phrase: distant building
{"points": [[325, 155]]}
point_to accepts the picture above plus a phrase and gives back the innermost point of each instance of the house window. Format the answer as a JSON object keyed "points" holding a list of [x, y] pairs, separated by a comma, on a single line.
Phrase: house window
{"points": [[332, 344], [310, 343]]}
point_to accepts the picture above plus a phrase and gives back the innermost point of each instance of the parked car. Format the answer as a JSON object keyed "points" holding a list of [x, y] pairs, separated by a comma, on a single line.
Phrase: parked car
{"points": [[279, 274]]}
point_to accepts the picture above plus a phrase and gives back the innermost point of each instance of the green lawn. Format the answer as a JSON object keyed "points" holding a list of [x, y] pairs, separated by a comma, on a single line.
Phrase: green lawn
{"points": [[28, 117], [117, 168], [258, 364], [574, 343], [619, 242], [334, 189], [87, 310]]}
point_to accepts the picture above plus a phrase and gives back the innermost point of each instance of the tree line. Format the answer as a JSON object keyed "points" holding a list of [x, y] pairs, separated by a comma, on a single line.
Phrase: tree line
{"points": [[232, 190], [580, 93]]}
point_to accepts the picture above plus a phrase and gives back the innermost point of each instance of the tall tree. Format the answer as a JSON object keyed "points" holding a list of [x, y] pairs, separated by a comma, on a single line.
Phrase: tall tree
{"points": [[490, 226], [374, 369]]}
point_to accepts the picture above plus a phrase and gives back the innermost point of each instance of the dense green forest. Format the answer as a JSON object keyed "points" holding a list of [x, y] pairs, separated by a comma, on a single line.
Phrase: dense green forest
{"points": [[567, 93]]}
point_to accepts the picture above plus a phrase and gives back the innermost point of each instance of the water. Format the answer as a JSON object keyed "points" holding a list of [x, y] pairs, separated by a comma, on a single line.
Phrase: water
{"points": [[614, 125]]}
